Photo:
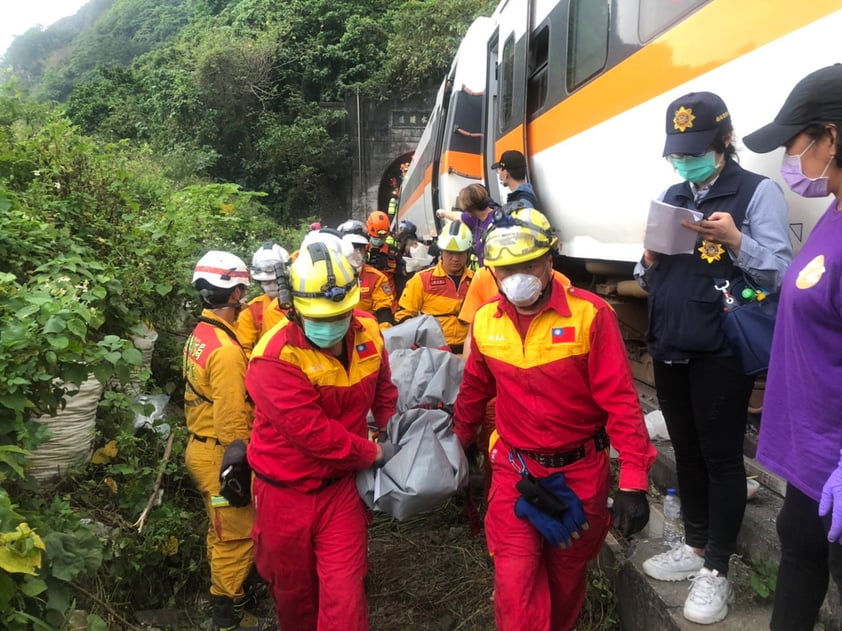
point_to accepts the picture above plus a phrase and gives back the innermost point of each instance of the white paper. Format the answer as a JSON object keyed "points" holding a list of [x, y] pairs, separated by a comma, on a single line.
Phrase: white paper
{"points": [[664, 232]]}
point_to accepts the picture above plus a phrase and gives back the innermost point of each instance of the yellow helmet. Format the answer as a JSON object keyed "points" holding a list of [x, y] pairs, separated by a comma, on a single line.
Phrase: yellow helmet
{"points": [[455, 237], [517, 236], [323, 282]]}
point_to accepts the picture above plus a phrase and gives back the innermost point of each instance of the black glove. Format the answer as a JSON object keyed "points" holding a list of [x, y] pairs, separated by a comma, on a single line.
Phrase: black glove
{"points": [[387, 452], [235, 475], [631, 512]]}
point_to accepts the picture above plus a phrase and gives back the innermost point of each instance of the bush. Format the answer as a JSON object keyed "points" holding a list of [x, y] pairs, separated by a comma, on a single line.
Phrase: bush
{"points": [[97, 240]]}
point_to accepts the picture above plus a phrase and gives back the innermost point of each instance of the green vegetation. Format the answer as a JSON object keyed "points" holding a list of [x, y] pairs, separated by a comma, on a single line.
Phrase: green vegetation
{"points": [[242, 91], [181, 126]]}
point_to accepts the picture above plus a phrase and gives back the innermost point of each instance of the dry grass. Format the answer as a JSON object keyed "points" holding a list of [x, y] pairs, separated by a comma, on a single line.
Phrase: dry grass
{"points": [[429, 574]]}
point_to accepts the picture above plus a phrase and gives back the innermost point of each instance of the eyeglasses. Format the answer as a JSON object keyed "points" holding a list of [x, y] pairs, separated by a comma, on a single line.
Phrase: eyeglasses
{"points": [[263, 268]]}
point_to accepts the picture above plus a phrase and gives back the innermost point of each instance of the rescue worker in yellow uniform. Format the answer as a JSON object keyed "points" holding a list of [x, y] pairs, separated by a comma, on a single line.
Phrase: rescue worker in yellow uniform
{"points": [[314, 378], [376, 295], [554, 357], [250, 322], [218, 411], [383, 254], [439, 291]]}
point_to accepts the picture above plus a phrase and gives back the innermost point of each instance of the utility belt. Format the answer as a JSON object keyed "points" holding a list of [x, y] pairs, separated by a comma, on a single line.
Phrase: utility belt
{"points": [[324, 483], [204, 439], [554, 461]]}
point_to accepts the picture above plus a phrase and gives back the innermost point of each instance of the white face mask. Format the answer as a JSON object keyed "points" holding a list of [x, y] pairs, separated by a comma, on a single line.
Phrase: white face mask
{"points": [[270, 288], [355, 258], [521, 289]]}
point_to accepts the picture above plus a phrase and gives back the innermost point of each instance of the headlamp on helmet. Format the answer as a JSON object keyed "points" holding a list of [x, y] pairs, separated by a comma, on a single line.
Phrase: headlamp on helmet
{"points": [[324, 283]]}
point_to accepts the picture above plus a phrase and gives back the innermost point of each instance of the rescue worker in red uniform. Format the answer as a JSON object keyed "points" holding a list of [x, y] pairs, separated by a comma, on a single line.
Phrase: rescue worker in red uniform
{"points": [[376, 295], [218, 412], [275, 311], [439, 291], [383, 254], [554, 357], [250, 323], [313, 379]]}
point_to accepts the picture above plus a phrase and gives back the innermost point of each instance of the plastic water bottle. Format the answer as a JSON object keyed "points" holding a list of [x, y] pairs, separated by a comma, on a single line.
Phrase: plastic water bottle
{"points": [[672, 519]]}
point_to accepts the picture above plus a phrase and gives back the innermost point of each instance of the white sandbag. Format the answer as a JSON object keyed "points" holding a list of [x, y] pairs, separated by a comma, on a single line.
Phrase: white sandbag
{"points": [[71, 431]]}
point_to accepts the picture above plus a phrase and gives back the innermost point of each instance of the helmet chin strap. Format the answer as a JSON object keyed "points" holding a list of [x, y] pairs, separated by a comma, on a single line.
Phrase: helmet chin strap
{"points": [[237, 306]]}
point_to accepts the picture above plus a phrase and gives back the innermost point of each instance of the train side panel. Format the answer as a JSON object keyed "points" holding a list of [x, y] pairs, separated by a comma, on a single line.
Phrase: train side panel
{"points": [[595, 156], [449, 154]]}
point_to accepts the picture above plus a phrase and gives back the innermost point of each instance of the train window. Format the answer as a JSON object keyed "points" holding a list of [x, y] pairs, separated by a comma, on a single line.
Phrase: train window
{"points": [[657, 15], [507, 84], [536, 92], [587, 41]]}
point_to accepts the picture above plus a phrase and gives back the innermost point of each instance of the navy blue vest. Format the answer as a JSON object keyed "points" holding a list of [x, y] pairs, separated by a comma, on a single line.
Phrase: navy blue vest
{"points": [[684, 306]]}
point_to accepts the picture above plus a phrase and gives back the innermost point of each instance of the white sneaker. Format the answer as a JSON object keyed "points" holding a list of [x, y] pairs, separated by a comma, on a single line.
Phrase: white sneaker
{"points": [[676, 564], [708, 599]]}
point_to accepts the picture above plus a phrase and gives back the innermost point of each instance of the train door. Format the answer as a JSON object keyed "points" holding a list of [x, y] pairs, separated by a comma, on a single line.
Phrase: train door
{"points": [[507, 85]]}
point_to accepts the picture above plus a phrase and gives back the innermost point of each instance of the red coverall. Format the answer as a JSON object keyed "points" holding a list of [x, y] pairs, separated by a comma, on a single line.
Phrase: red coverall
{"points": [[560, 377], [309, 439]]}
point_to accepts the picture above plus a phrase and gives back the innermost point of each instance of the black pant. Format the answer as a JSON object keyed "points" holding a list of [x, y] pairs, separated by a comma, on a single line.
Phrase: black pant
{"points": [[705, 404], [806, 560]]}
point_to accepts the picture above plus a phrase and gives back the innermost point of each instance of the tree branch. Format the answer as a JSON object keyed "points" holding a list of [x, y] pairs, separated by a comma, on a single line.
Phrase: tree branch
{"points": [[154, 496]]}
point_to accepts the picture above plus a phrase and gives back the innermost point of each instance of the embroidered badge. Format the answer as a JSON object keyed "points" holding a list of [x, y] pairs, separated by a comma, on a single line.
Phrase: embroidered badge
{"points": [[683, 119], [811, 273], [711, 251]]}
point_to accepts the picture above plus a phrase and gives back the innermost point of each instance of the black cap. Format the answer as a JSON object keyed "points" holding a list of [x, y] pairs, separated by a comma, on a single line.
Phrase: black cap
{"points": [[817, 98], [510, 160], [693, 121]]}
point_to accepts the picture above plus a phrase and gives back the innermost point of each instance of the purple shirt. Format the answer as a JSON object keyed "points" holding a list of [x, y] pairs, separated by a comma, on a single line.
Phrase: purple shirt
{"points": [[478, 229], [801, 426]]}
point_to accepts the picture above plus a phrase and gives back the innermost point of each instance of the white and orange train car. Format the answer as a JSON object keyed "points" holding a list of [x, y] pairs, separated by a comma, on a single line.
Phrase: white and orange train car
{"points": [[581, 87]]}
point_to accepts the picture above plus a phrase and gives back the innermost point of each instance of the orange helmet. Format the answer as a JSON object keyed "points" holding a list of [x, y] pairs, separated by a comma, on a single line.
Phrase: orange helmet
{"points": [[378, 224]]}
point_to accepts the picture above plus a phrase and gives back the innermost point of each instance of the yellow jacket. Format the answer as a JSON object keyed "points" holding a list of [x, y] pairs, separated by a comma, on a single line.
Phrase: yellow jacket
{"points": [[375, 291], [272, 314], [250, 322], [215, 400], [433, 292]]}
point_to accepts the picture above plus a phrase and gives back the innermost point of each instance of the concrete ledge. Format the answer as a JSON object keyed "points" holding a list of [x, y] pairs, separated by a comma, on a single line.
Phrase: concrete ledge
{"points": [[756, 543]]}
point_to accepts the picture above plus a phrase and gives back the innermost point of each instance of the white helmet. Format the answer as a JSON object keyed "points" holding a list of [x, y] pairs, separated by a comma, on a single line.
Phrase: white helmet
{"points": [[264, 260], [222, 270], [352, 226], [455, 237], [357, 255]]}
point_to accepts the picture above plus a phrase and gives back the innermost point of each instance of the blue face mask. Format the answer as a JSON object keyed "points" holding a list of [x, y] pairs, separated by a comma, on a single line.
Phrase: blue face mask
{"points": [[695, 168], [326, 333]]}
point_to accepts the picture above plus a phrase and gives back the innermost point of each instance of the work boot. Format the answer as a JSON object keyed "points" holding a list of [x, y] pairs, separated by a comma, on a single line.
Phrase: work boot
{"points": [[255, 591], [228, 616]]}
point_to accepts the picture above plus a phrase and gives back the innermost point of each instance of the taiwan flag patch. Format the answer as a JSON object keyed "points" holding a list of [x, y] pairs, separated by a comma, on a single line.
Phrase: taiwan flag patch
{"points": [[366, 349], [563, 335]]}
